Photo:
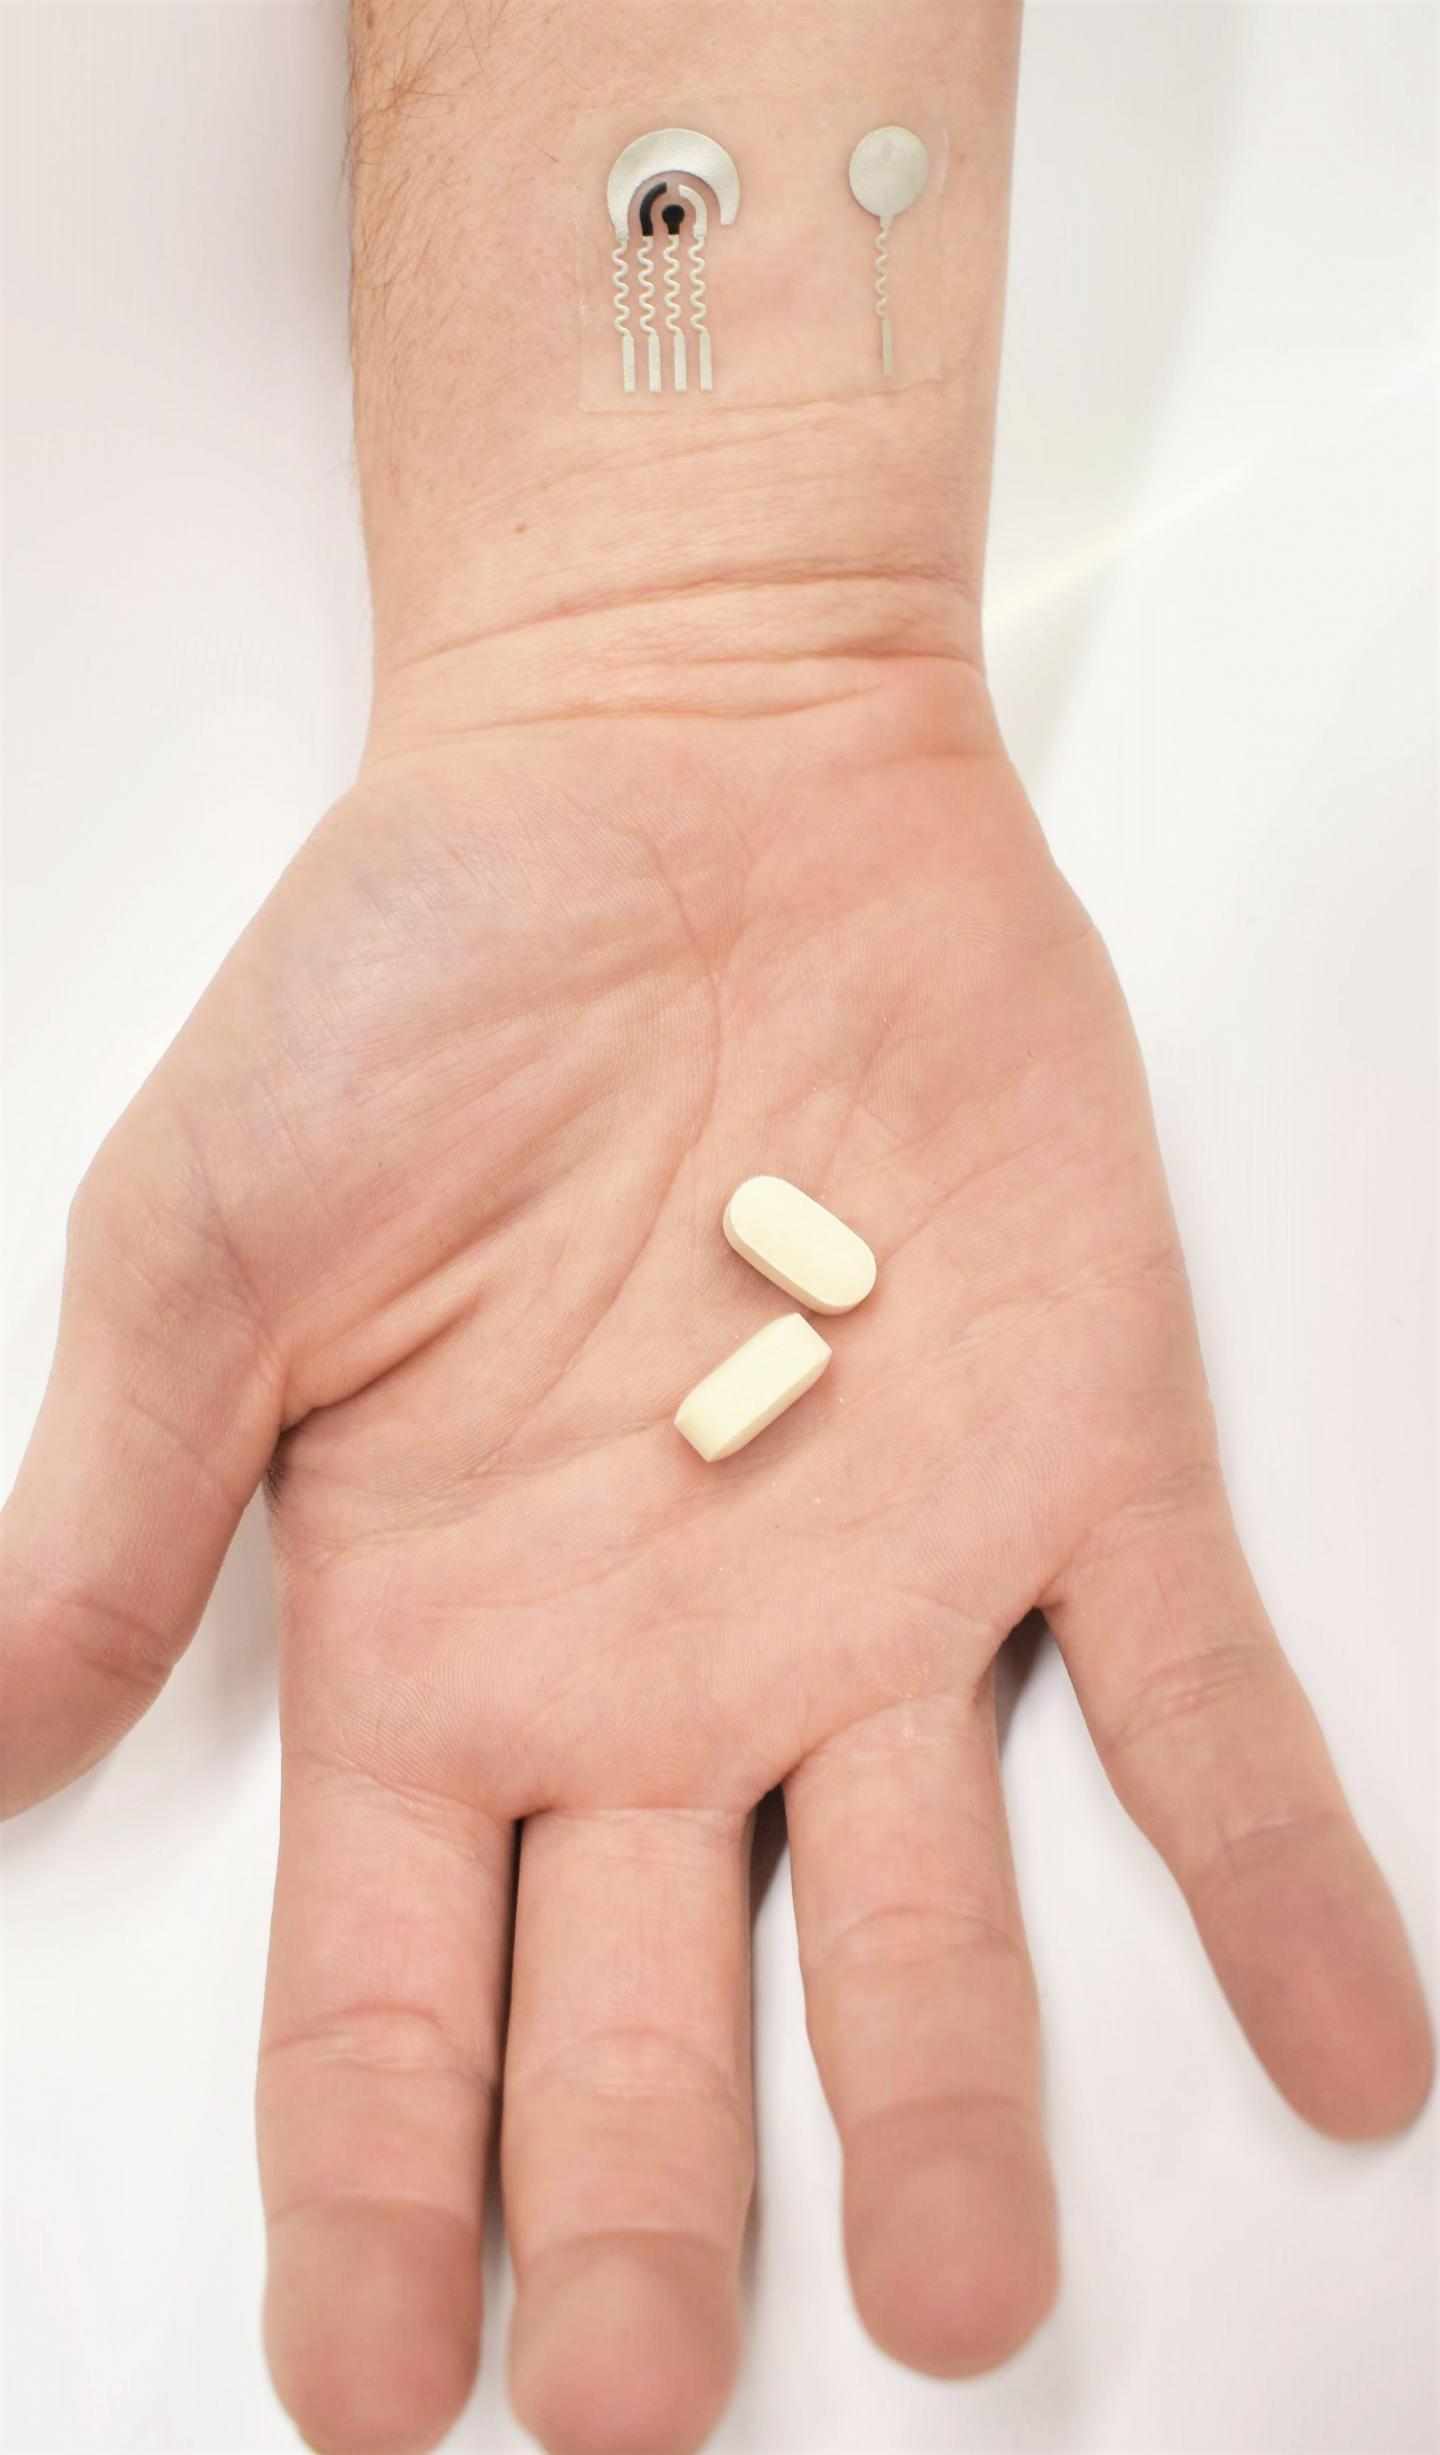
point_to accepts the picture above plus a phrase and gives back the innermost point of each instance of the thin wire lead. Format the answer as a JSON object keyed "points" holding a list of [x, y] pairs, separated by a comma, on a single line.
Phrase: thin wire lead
{"points": [[671, 278], [620, 259], [645, 296], [882, 297], [699, 299]]}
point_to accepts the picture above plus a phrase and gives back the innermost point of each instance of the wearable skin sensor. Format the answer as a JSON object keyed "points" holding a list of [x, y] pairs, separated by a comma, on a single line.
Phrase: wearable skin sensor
{"points": [[889, 170], [662, 178], [687, 306]]}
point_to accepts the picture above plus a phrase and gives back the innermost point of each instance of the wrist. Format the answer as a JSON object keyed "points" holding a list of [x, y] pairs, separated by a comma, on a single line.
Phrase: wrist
{"points": [[790, 558], [536, 551]]}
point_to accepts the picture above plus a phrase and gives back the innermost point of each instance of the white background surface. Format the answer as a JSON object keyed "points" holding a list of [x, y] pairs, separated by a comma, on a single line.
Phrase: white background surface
{"points": [[1213, 631]]}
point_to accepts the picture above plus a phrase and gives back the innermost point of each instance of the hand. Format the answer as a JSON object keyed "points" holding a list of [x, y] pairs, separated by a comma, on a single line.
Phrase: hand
{"points": [[428, 1193]]}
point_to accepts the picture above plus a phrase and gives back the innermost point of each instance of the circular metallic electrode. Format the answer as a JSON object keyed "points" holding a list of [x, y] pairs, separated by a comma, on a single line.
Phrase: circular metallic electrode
{"points": [[673, 149], [888, 171]]}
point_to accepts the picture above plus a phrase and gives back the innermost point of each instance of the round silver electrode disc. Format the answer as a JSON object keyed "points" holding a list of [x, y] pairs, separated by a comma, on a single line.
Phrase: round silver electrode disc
{"points": [[888, 170]]}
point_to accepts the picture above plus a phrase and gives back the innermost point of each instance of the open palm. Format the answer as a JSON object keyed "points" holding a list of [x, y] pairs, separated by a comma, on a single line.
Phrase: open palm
{"points": [[422, 1214]]}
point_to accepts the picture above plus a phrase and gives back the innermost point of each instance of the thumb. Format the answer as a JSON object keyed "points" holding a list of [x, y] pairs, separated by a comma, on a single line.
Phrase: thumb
{"points": [[161, 1412]]}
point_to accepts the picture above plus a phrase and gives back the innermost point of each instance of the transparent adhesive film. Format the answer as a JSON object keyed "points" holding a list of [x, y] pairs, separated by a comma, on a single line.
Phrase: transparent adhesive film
{"points": [[731, 254]]}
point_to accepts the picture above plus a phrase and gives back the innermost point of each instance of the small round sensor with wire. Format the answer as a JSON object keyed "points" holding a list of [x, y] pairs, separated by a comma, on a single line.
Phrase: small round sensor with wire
{"points": [[889, 171]]}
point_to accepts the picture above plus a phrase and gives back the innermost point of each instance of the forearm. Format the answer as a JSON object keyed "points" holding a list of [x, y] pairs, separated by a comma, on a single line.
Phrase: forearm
{"points": [[515, 534]]}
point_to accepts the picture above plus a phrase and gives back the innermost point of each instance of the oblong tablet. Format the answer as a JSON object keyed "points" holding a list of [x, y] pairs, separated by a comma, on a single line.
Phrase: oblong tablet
{"points": [[754, 1385], [799, 1244]]}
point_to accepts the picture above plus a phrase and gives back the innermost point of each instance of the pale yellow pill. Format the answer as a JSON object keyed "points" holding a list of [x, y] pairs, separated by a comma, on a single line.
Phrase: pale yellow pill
{"points": [[754, 1385], [804, 1248]]}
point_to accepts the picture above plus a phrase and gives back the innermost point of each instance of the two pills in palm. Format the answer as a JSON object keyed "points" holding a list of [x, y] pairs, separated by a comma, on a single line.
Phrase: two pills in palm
{"points": [[800, 1246]]}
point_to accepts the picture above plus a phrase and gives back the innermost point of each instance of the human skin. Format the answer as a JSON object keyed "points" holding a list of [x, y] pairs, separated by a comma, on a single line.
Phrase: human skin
{"points": [[685, 848]]}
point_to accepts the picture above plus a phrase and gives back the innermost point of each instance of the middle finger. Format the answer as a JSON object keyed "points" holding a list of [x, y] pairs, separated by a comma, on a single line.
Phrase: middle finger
{"points": [[626, 2143]]}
